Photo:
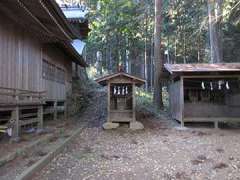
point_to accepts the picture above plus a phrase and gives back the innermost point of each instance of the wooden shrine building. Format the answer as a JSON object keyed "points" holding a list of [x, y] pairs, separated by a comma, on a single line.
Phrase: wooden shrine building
{"points": [[121, 99], [204, 92], [36, 56]]}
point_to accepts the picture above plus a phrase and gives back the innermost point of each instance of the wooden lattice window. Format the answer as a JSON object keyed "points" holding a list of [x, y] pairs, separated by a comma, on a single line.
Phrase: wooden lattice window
{"points": [[48, 70], [60, 75], [53, 73], [45, 69]]}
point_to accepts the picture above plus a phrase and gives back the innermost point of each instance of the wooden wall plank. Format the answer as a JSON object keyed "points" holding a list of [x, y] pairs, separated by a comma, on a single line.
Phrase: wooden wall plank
{"points": [[21, 62]]}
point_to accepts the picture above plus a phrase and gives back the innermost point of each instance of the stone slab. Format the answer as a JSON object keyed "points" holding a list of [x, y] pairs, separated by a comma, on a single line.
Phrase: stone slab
{"points": [[135, 125], [110, 125]]}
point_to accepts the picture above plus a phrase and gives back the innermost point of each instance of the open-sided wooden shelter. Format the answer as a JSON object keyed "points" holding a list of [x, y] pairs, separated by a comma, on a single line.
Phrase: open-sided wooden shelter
{"points": [[121, 99], [36, 56], [204, 92]]}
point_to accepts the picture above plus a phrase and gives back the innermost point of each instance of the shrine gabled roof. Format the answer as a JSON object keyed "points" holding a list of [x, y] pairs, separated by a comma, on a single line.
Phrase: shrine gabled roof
{"points": [[103, 80], [204, 67]]}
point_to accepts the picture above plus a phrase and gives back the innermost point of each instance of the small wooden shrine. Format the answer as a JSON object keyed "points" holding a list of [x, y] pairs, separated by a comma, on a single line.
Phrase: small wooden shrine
{"points": [[204, 92], [121, 99]]}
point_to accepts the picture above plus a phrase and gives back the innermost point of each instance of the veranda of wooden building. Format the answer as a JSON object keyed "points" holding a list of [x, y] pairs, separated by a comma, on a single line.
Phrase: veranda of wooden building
{"points": [[121, 99], [204, 92], [36, 56]]}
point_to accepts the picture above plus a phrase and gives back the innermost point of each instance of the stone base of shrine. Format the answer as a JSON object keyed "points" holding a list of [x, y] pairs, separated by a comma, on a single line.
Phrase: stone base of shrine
{"points": [[135, 125], [110, 125]]}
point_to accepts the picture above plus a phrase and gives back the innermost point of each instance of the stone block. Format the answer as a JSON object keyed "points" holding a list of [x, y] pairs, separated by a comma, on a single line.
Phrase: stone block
{"points": [[136, 125], [110, 125]]}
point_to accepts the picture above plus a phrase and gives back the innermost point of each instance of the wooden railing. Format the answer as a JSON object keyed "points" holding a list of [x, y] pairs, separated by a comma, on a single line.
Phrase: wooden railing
{"points": [[15, 100], [14, 95]]}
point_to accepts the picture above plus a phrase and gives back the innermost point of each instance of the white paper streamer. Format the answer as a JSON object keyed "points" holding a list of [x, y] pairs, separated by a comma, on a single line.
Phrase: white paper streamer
{"points": [[227, 85], [203, 85], [211, 86]]}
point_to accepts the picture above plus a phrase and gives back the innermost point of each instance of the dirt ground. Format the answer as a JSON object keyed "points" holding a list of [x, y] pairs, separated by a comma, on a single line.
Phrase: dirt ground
{"points": [[58, 131], [161, 151], [50, 126]]}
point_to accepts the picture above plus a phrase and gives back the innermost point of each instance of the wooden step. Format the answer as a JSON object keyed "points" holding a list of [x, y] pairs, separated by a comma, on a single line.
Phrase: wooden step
{"points": [[21, 103], [4, 119], [29, 121], [11, 108], [28, 115], [3, 127]]}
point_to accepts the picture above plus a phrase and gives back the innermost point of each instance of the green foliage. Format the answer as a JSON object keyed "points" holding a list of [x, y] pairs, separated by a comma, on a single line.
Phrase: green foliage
{"points": [[186, 30], [120, 29], [144, 101]]}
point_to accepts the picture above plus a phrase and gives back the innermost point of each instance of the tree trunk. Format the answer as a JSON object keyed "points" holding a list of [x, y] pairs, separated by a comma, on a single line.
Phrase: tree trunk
{"points": [[175, 49], [145, 54], [184, 46], [219, 32], [152, 65], [215, 31], [99, 61], [157, 96]]}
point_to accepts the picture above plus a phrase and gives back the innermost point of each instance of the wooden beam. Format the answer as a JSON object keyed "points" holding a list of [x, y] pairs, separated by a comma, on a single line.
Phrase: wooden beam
{"points": [[29, 121], [182, 101], [40, 117], [216, 124], [15, 116], [76, 69], [109, 101], [121, 111], [65, 110], [55, 110], [212, 119], [134, 101], [211, 76], [16, 128]]}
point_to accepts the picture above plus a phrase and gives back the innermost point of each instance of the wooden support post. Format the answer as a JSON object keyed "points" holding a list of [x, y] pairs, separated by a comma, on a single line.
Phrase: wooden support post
{"points": [[40, 117], [65, 111], [134, 101], [182, 123], [216, 124], [109, 101], [182, 101], [16, 127], [55, 110], [76, 70], [15, 117]]}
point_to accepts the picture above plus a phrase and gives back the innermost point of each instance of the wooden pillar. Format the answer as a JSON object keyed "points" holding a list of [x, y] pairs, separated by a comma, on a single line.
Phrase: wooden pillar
{"points": [[109, 102], [15, 116], [40, 117], [65, 110], [55, 110], [216, 124], [182, 101], [76, 70], [134, 101], [16, 127]]}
